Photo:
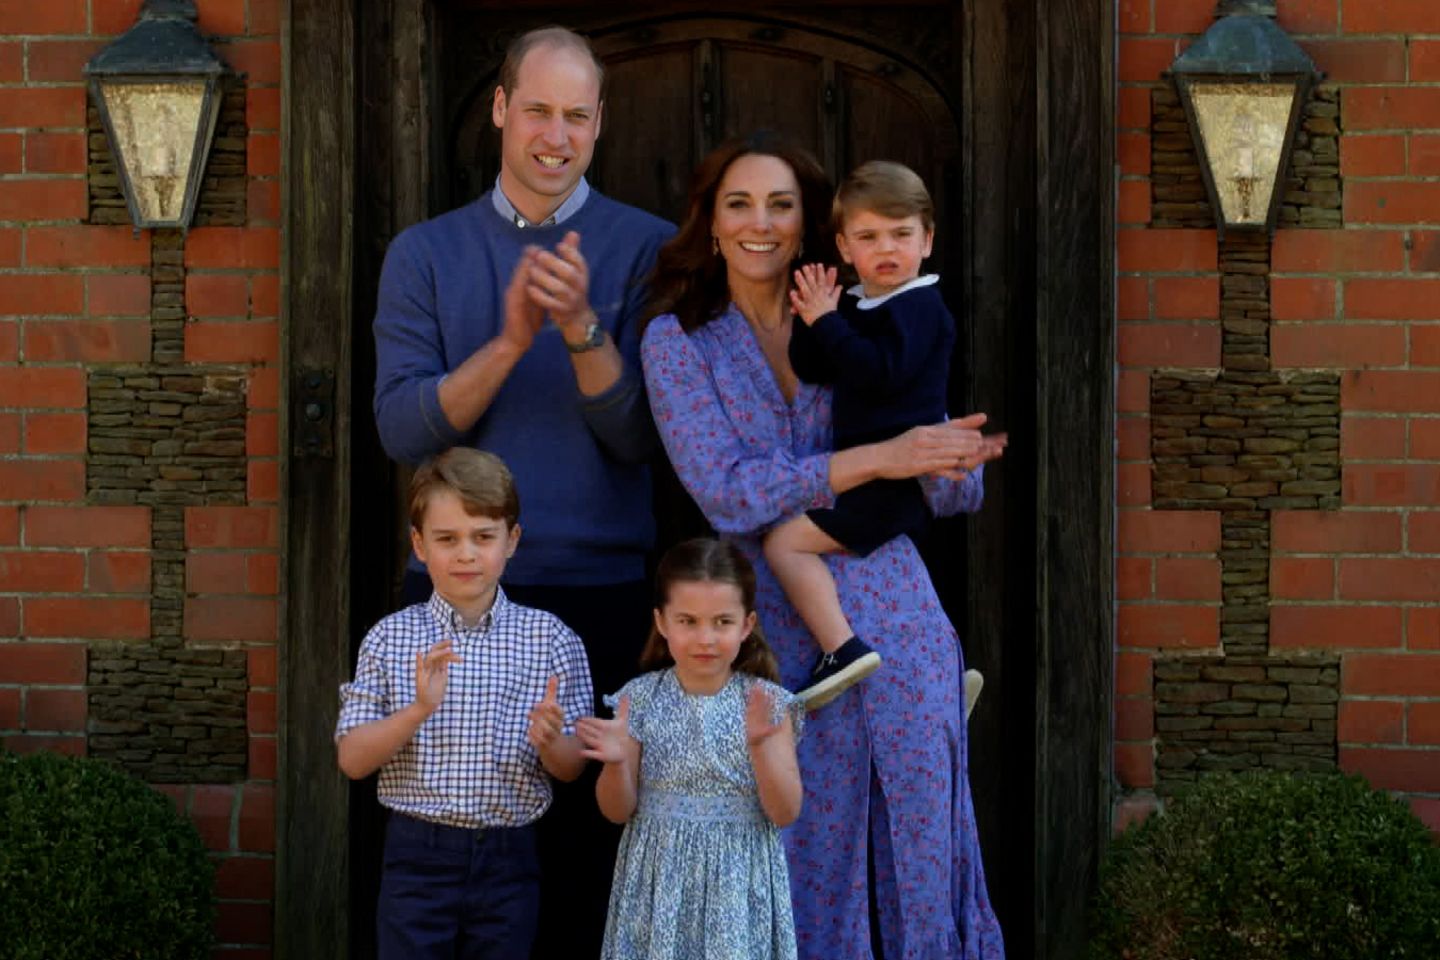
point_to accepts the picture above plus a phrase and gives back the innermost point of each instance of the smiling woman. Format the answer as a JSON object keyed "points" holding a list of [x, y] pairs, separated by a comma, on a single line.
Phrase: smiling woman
{"points": [[885, 764]]}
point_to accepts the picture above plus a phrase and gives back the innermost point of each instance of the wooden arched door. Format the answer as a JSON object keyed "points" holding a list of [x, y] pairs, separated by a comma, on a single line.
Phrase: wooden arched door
{"points": [[852, 83]]}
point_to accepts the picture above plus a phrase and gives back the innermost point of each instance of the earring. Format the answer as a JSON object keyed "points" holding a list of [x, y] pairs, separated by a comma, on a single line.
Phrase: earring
{"points": [[714, 245]]}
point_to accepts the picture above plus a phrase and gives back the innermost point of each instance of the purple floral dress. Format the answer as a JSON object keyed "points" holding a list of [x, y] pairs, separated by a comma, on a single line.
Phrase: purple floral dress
{"points": [[890, 753]]}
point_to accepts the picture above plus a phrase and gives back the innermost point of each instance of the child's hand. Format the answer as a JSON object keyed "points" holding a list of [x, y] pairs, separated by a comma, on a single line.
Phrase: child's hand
{"points": [[759, 711], [547, 720], [432, 669], [608, 741], [816, 292]]}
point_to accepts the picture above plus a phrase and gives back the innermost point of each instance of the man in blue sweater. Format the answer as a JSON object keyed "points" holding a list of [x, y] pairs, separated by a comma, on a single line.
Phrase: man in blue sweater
{"points": [[512, 325]]}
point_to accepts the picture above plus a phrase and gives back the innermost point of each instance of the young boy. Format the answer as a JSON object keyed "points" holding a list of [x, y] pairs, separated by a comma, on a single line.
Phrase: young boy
{"points": [[466, 705], [885, 346]]}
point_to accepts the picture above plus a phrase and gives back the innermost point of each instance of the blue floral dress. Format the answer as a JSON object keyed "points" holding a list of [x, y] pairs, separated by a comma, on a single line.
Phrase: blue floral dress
{"points": [[884, 764], [700, 874]]}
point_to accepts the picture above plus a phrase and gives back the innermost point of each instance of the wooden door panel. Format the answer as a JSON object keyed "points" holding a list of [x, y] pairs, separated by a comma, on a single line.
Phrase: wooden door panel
{"points": [[771, 89], [648, 139]]}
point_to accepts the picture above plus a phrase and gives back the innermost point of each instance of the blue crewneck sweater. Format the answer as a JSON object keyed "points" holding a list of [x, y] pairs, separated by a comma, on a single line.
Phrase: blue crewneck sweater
{"points": [[579, 462]]}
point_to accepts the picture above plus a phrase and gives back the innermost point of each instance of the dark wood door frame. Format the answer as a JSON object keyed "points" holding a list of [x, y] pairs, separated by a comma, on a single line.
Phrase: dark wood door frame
{"points": [[1038, 180]]}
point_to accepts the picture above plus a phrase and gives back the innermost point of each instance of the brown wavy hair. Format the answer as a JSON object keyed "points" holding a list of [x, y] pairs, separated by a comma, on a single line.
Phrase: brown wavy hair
{"points": [[707, 560], [689, 279]]}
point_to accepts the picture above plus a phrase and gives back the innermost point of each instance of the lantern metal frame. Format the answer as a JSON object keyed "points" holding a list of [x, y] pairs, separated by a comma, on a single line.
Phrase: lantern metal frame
{"points": [[1245, 46], [164, 46]]}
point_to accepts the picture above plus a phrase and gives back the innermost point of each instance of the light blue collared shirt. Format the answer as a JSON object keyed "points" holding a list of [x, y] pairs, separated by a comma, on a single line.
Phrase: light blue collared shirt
{"points": [[565, 211]]}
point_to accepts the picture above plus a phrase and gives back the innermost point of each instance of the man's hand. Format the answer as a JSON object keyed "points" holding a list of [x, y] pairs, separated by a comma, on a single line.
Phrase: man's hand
{"points": [[523, 317], [560, 285], [816, 293]]}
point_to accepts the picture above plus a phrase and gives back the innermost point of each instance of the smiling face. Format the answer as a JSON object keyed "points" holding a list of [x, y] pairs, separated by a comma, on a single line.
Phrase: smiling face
{"points": [[465, 555], [548, 125], [758, 219], [703, 623], [885, 251]]}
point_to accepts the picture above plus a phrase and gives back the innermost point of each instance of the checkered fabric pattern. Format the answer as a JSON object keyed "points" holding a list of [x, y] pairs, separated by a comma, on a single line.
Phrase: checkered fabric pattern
{"points": [[470, 764]]}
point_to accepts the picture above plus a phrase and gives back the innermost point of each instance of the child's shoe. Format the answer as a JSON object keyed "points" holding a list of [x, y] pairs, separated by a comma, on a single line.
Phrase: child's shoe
{"points": [[973, 684], [834, 673]]}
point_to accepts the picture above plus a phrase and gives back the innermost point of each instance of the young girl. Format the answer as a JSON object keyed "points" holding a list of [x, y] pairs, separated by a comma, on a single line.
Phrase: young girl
{"points": [[700, 767]]}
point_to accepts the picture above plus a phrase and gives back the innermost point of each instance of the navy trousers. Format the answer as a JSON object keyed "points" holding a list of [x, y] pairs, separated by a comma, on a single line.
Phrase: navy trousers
{"points": [[448, 893], [577, 844]]}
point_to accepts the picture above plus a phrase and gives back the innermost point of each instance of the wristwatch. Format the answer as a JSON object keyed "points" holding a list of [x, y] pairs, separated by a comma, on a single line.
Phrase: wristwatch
{"points": [[594, 337]]}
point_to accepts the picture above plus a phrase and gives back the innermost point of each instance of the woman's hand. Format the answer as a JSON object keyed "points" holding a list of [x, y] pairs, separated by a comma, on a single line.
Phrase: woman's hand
{"points": [[608, 741], [949, 449]]}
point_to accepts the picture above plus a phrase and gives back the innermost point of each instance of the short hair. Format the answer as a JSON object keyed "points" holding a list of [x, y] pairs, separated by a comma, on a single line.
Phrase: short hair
{"points": [[885, 187], [560, 37], [707, 560], [481, 481]]}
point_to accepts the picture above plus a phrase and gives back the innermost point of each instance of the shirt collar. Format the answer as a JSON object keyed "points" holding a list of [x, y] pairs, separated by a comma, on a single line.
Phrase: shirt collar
{"points": [[564, 212], [449, 619], [869, 303]]}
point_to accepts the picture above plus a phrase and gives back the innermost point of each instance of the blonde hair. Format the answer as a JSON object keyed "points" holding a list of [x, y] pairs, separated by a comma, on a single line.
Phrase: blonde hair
{"points": [[481, 481], [885, 187], [706, 560]]}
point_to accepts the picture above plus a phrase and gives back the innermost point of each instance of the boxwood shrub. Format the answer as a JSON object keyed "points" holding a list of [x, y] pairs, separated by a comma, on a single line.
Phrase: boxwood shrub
{"points": [[95, 864], [1270, 865]]}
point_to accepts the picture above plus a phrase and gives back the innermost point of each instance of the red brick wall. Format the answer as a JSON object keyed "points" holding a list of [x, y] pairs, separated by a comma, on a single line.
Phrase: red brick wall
{"points": [[73, 295], [1365, 299]]}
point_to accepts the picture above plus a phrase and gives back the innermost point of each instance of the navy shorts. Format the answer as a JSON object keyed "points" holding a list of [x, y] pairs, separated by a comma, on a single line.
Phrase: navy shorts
{"points": [[456, 893], [871, 515]]}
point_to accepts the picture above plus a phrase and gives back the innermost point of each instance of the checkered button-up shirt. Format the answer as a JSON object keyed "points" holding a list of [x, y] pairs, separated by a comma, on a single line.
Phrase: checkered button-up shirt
{"points": [[469, 764]]}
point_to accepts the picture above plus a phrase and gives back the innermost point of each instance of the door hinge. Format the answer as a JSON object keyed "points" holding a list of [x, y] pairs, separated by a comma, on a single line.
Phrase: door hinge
{"points": [[312, 420]]}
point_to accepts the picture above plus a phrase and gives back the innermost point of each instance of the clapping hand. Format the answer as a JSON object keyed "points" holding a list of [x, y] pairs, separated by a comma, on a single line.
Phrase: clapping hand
{"points": [[608, 741], [816, 292], [760, 724], [523, 317], [560, 283], [432, 669], [547, 720]]}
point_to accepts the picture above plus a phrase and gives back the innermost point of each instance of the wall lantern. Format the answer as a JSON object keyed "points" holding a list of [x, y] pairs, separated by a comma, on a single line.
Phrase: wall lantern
{"points": [[157, 89], [1244, 84]]}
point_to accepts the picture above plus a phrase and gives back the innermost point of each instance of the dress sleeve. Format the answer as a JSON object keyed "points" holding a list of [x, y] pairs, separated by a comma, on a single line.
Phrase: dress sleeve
{"points": [[949, 497], [784, 703], [640, 691], [739, 491]]}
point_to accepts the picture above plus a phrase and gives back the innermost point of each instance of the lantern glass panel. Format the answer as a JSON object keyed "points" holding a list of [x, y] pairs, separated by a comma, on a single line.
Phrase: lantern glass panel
{"points": [[1244, 127], [156, 126]]}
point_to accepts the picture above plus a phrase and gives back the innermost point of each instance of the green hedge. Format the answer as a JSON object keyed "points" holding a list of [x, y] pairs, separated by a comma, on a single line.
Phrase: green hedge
{"points": [[95, 864], [1269, 866]]}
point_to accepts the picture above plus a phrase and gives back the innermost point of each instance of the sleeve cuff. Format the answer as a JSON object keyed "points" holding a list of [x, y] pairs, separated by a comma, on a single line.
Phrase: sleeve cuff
{"points": [[433, 415]]}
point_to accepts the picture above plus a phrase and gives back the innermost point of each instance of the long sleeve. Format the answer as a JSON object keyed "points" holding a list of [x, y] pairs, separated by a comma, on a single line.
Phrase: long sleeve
{"points": [[409, 361], [740, 487], [882, 350], [949, 497], [807, 357], [620, 417]]}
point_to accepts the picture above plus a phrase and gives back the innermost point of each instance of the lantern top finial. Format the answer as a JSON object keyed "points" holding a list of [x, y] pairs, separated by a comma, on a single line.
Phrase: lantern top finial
{"points": [[1244, 43], [169, 10], [164, 40], [1245, 8]]}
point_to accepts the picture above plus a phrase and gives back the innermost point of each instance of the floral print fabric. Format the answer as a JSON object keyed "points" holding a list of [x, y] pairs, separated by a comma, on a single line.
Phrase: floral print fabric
{"points": [[889, 756]]}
